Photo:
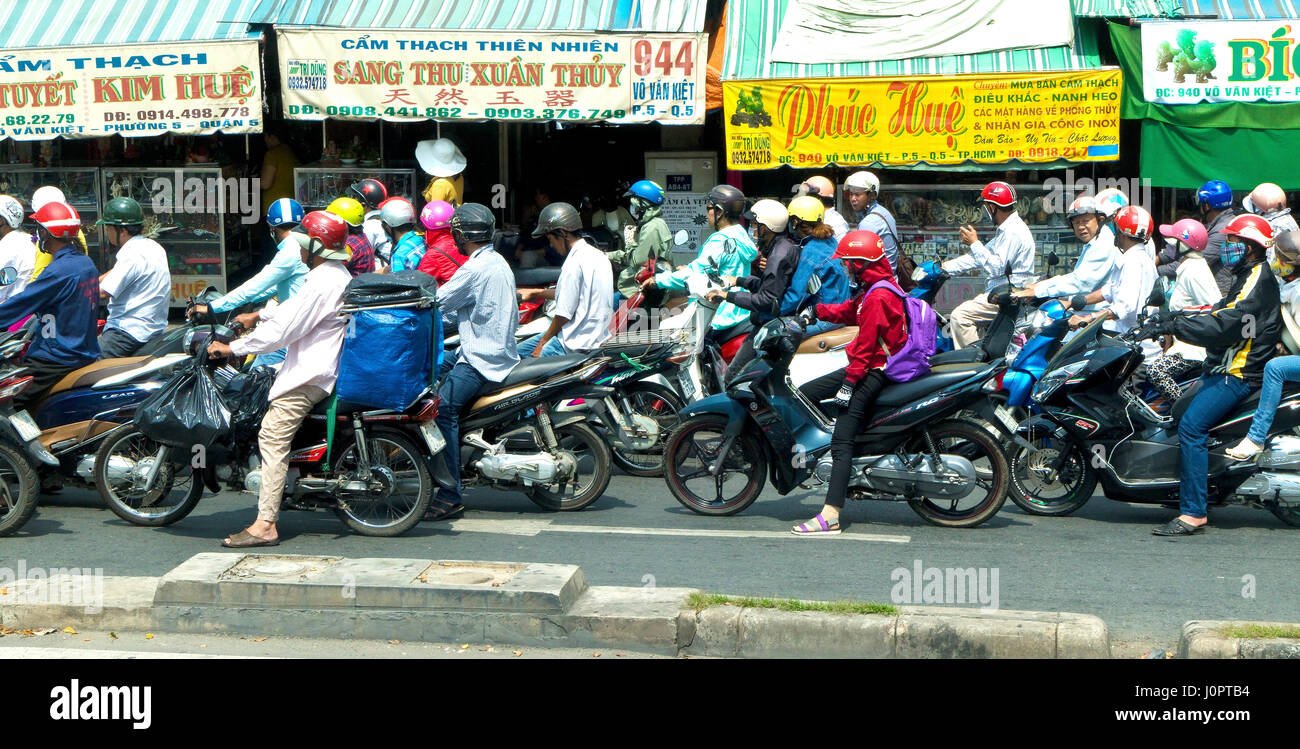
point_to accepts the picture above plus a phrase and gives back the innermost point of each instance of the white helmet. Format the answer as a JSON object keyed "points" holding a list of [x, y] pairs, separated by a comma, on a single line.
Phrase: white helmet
{"points": [[46, 194], [769, 213], [862, 182], [11, 211], [395, 212], [1111, 200], [1265, 199]]}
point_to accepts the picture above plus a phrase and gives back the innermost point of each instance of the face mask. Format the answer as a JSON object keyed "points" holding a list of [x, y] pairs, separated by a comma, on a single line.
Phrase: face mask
{"points": [[1232, 254]]}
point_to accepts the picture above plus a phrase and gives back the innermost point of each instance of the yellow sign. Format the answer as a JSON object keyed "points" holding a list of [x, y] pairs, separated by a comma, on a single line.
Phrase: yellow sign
{"points": [[987, 119]]}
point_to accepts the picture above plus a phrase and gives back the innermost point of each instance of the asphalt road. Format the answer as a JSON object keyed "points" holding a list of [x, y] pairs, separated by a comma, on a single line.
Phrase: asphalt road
{"points": [[1102, 561]]}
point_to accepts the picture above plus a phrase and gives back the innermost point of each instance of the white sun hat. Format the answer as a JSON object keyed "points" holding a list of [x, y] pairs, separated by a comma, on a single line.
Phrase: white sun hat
{"points": [[440, 158]]}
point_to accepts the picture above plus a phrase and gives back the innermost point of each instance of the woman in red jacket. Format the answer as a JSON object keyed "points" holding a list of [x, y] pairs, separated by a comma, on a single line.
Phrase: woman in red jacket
{"points": [[441, 260], [882, 327]]}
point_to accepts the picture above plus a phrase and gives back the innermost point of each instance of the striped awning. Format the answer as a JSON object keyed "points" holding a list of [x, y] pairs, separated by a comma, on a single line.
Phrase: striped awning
{"points": [[753, 25], [65, 23], [486, 15], [1128, 8], [1241, 9]]}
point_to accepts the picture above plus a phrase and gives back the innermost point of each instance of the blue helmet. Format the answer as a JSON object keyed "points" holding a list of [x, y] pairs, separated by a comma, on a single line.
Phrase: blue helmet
{"points": [[1216, 194], [648, 191], [284, 212]]}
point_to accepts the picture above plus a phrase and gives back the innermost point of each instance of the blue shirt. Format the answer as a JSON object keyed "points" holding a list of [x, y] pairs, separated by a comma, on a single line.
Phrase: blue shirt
{"points": [[281, 277], [481, 298], [408, 251], [815, 259], [732, 250], [65, 300]]}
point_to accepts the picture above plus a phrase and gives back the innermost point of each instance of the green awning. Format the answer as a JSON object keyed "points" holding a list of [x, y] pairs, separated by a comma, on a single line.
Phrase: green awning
{"points": [[1175, 156], [1128, 8]]}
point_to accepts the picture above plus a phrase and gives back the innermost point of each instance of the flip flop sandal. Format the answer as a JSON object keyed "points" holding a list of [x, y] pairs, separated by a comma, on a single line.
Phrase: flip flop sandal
{"points": [[817, 527], [1177, 527], [246, 540], [444, 510]]}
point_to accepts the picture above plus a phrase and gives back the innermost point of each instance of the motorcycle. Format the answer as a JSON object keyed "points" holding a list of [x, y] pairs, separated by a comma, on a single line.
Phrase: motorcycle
{"points": [[20, 448]]}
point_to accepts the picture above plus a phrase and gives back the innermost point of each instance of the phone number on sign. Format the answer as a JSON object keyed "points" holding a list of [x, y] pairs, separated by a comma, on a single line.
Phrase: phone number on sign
{"points": [[553, 114], [39, 119]]}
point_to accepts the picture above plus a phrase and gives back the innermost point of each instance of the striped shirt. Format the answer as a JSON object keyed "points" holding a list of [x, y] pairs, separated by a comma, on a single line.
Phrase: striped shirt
{"points": [[481, 298]]}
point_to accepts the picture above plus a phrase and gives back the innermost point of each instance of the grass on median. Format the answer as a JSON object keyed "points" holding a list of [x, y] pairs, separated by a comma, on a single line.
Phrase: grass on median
{"points": [[1261, 631], [701, 601]]}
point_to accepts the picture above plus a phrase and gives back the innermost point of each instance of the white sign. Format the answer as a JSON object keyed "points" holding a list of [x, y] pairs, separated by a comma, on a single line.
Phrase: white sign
{"points": [[1188, 62]]}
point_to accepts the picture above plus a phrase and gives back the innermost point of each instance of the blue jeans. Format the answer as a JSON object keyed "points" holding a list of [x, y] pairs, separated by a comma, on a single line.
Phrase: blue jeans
{"points": [[1279, 370], [553, 347], [460, 384], [266, 360], [1217, 397], [821, 326]]}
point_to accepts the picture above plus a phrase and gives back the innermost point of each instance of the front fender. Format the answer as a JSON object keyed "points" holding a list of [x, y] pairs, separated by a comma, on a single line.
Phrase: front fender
{"points": [[715, 404]]}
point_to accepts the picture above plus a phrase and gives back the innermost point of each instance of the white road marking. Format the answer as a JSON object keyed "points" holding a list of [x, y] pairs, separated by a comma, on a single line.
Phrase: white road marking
{"points": [[515, 527], [26, 653]]}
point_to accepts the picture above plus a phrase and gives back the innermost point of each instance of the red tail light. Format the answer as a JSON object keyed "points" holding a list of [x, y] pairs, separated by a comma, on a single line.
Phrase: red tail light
{"points": [[428, 409], [13, 386]]}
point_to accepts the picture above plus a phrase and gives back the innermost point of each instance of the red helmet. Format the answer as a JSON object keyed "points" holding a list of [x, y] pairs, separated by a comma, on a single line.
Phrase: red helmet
{"points": [[999, 194], [1134, 222], [1189, 231], [370, 191], [1249, 226], [860, 244], [331, 230], [59, 219]]}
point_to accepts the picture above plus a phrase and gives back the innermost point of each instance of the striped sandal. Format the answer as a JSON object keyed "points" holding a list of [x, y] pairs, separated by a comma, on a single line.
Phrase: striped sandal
{"points": [[817, 527]]}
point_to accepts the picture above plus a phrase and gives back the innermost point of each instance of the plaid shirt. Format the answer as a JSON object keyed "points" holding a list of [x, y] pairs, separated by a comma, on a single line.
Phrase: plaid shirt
{"points": [[363, 255]]}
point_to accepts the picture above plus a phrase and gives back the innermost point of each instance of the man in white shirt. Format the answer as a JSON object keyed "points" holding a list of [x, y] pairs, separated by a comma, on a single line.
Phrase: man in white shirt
{"points": [[1096, 261], [138, 288], [17, 248], [1010, 251], [583, 293], [310, 326], [1126, 294]]}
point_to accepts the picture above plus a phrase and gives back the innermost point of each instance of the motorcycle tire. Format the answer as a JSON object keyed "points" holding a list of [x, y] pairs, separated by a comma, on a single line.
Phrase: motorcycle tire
{"points": [[17, 505], [386, 447], [682, 446], [649, 464], [122, 500], [570, 436], [1080, 480], [970, 438]]}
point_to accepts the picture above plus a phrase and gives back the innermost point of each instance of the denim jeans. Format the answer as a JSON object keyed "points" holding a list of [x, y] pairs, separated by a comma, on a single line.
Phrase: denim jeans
{"points": [[553, 347], [1217, 397], [1279, 370], [460, 384], [271, 359], [821, 326]]}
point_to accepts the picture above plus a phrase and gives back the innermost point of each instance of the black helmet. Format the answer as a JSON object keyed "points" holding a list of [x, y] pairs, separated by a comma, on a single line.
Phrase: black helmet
{"points": [[728, 200], [369, 191], [473, 222], [557, 216]]}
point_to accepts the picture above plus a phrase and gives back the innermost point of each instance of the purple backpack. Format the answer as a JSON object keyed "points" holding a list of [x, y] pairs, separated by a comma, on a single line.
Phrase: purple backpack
{"points": [[913, 360]]}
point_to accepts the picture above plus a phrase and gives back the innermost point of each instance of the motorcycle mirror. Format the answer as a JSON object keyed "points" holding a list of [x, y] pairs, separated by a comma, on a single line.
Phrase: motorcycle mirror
{"points": [[8, 275], [681, 237], [814, 284], [1052, 259]]}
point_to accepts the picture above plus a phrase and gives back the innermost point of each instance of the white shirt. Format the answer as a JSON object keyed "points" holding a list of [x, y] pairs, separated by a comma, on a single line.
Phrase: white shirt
{"points": [[17, 251], [585, 295], [140, 288], [1194, 286], [310, 326], [1128, 291], [837, 223], [1093, 269], [1013, 243], [373, 228]]}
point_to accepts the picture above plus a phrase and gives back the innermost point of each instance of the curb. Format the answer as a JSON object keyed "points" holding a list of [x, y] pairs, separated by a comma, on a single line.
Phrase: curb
{"points": [[522, 604], [1205, 639]]}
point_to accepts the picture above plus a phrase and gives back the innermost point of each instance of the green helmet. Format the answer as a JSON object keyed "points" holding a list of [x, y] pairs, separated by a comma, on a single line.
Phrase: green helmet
{"points": [[122, 212]]}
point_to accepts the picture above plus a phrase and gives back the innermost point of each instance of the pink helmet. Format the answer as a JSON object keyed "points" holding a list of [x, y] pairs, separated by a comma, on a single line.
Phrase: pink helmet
{"points": [[437, 215], [1189, 231]]}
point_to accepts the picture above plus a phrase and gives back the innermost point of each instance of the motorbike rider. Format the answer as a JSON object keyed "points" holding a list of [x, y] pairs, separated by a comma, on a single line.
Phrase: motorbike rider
{"points": [[481, 298], [824, 190], [882, 327], [1269, 200], [1010, 252], [1096, 261], [1214, 209], [442, 258], [1194, 288], [281, 278], [50, 194], [729, 249], [1239, 334], [763, 294], [398, 218], [17, 250], [582, 294], [138, 287], [1125, 295], [816, 257], [309, 326], [371, 193], [361, 255], [864, 192], [649, 236], [64, 299]]}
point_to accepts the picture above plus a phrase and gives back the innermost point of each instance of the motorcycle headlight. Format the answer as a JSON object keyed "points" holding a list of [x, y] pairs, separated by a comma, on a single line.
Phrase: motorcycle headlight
{"points": [[1053, 380]]}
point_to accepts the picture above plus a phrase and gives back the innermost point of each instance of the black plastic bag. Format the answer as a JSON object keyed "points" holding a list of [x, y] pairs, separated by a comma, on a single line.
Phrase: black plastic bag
{"points": [[189, 410], [246, 395], [379, 289]]}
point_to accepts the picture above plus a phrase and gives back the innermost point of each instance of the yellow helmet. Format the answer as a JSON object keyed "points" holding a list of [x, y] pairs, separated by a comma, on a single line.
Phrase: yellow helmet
{"points": [[808, 209], [348, 209]]}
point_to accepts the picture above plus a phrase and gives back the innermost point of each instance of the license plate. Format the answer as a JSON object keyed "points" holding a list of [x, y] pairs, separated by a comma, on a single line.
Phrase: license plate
{"points": [[1006, 417], [27, 428], [433, 437]]}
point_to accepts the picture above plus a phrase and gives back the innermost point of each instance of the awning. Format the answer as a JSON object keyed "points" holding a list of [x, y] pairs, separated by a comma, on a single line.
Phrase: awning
{"points": [[1241, 9], [1129, 8], [68, 23], [488, 15], [753, 26], [1174, 156]]}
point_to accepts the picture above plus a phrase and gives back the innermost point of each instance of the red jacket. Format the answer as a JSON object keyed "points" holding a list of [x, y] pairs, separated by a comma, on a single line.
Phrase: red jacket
{"points": [[879, 316], [442, 259]]}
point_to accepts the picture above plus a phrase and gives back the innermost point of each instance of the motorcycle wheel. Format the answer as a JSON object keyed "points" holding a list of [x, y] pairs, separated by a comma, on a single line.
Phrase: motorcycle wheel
{"points": [[19, 487], [693, 447], [174, 495], [1036, 492], [991, 474], [591, 456], [661, 404], [397, 509]]}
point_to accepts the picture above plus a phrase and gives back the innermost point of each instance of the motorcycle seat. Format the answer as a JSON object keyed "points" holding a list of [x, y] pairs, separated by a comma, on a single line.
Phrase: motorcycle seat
{"points": [[939, 378], [96, 371], [829, 340], [536, 369], [968, 355]]}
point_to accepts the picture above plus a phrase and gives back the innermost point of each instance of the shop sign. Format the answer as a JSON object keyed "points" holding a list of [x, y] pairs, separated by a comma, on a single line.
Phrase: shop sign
{"points": [[132, 90], [986, 119], [404, 75], [1187, 62]]}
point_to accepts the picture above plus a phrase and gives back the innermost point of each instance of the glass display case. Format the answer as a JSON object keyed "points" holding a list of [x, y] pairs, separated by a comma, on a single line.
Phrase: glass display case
{"points": [[317, 186], [186, 211], [80, 185]]}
